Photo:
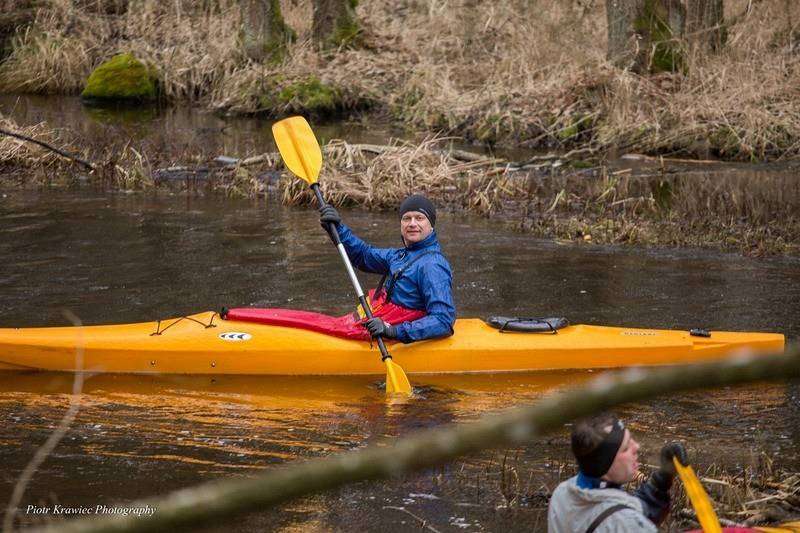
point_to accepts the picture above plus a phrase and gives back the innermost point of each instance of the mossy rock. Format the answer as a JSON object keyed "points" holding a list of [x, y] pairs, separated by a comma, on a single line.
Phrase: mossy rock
{"points": [[311, 95], [123, 77]]}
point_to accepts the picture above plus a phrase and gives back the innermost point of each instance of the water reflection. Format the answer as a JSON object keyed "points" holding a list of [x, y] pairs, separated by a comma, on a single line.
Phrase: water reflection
{"points": [[139, 435]]}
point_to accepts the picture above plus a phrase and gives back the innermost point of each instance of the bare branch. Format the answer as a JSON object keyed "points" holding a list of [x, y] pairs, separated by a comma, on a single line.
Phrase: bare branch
{"points": [[49, 147]]}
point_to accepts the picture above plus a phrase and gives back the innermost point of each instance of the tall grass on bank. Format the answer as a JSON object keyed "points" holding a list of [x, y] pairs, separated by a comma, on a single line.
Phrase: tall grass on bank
{"points": [[192, 44], [525, 73]]}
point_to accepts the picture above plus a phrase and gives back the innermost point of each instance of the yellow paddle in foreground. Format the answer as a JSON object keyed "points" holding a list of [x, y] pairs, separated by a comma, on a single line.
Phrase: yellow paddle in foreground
{"points": [[301, 154], [697, 495]]}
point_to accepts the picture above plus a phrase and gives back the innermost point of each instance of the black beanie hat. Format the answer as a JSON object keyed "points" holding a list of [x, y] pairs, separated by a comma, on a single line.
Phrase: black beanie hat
{"points": [[417, 202]]}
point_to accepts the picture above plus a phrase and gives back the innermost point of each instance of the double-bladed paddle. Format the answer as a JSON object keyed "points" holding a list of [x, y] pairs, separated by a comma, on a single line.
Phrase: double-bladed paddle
{"points": [[301, 154]]}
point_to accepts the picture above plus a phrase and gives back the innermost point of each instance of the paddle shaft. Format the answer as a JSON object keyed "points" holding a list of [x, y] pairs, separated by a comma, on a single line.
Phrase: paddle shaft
{"points": [[350, 272]]}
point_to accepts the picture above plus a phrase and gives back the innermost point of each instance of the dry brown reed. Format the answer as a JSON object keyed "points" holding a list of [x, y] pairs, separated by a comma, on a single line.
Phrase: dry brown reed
{"points": [[353, 176], [528, 73], [17, 154]]}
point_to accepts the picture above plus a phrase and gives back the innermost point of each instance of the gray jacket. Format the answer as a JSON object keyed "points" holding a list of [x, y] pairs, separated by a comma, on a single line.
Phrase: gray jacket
{"points": [[573, 509]]}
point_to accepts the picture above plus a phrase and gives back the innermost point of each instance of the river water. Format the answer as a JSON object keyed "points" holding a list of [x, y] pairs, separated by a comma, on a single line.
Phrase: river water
{"points": [[112, 258]]}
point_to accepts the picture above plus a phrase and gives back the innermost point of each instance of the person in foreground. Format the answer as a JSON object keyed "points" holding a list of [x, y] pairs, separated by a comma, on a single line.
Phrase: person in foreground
{"points": [[608, 458], [414, 300]]}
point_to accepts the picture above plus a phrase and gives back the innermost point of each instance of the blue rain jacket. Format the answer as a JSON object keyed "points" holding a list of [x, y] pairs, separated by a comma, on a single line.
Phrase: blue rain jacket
{"points": [[426, 286]]}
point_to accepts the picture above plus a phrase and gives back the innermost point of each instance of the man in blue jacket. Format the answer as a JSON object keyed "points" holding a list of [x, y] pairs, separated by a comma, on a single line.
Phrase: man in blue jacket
{"points": [[417, 278]]}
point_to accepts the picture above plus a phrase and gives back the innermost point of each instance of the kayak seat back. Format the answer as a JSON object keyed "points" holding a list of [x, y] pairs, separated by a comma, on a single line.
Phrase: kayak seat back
{"points": [[527, 325]]}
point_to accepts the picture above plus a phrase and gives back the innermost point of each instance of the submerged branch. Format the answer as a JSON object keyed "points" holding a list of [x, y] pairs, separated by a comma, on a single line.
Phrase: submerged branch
{"points": [[216, 501]]}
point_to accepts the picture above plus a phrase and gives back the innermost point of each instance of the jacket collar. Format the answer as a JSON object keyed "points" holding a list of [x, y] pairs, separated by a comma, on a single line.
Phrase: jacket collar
{"points": [[430, 240], [587, 482]]}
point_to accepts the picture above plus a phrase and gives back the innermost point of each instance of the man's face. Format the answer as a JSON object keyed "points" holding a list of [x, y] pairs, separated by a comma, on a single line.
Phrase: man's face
{"points": [[626, 462], [414, 227]]}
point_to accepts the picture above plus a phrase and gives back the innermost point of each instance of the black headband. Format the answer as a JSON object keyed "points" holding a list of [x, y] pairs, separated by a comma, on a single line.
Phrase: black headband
{"points": [[597, 462]]}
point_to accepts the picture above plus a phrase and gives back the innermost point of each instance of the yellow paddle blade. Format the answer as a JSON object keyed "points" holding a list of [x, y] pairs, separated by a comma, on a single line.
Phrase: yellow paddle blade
{"points": [[697, 495], [298, 147], [396, 380]]}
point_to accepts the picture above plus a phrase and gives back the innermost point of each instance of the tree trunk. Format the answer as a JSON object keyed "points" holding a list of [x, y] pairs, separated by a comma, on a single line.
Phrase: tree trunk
{"points": [[334, 23], [643, 35], [264, 34], [705, 24], [623, 41]]}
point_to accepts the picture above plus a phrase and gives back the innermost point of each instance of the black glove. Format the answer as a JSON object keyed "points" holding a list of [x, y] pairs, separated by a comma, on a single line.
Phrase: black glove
{"points": [[378, 328], [673, 449], [329, 215], [663, 478]]}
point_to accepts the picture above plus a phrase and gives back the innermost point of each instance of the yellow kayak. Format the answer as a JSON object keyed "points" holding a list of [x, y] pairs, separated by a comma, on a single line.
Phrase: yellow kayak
{"points": [[205, 344]]}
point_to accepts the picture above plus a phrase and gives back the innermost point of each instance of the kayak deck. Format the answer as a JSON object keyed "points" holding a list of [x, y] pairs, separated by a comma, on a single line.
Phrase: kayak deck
{"points": [[204, 344]]}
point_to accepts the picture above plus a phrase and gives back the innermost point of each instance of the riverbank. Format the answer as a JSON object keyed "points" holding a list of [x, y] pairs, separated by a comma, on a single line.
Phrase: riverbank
{"points": [[745, 208], [536, 78]]}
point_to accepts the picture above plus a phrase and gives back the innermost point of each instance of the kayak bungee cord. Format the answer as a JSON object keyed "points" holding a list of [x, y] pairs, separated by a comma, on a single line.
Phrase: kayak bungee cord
{"points": [[159, 331]]}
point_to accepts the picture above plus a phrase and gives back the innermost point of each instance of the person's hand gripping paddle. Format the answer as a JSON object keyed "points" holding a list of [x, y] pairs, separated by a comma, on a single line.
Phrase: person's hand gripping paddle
{"points": [[301, 155]]}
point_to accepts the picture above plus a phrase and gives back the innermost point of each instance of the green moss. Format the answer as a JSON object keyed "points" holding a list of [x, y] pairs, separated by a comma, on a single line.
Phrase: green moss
{"points": [[276, 49], [489, 129], [346, 28], [667, 55], [725, 141], [123, 77], [311, 95], [569, 132], [578, 124], [345, 33], [270, 44], [581, 164]]}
